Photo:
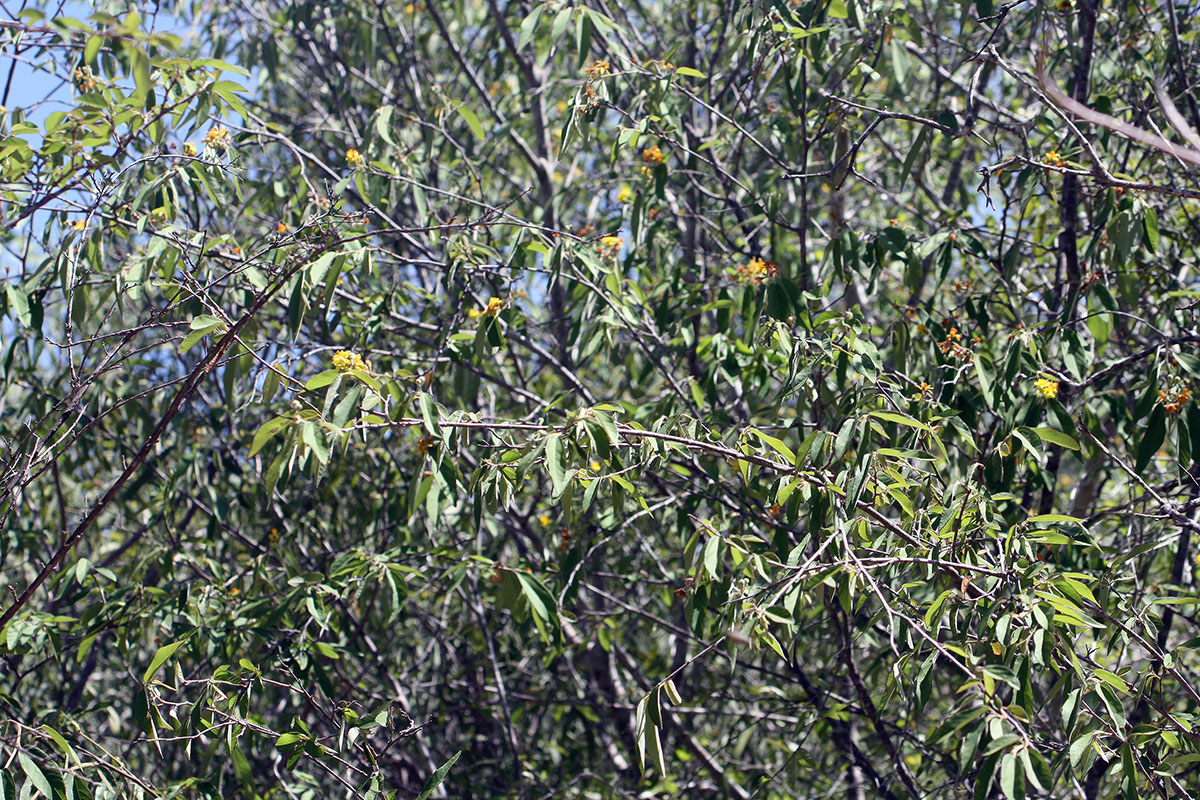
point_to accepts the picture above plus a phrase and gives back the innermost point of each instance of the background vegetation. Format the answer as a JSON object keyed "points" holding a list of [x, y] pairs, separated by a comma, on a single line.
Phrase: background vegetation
{"points": [[600, 399]]}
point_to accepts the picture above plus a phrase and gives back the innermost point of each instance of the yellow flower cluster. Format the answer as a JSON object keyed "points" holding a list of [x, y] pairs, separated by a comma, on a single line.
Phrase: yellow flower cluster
{"points": [[354, 158], [756, 271], [189, 149], [494, 306], [1046, 387], [84, 79], [346, 361], [951, 347], [79, 224], [653, 155], [598, 69], [1172, 402], [218, 137], [610, 246], [625, 195], [1053, 159], [657, 64]]}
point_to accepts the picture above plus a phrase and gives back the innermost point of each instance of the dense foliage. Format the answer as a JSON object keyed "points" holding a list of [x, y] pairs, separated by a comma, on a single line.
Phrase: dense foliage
{"points": [[602, 400]]}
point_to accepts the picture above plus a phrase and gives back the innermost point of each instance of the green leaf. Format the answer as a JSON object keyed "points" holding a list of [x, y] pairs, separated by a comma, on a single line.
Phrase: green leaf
{"points": [[900, 419], [556, 463], [529, 26], [439, 775], [1113, 680], [473, 123], [225, 90], [1012, 779], [934, 607], [1152, 439], [541, 602], [198, 333], [1115, 711], [268, 429], [654, 745], [91, 49], [1002, 743], [1053, 518], [321, 381], [35, 775], [1057, 437], [19, 303], [1150, 224], [429, 414], [983, 779], [160, 658], [1079, 747], [712, 556], [1037, 771], [141, 71], [775, 444], [914, 153]]}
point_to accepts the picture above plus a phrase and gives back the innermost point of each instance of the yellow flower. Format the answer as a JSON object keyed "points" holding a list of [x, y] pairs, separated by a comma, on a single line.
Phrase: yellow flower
{"points": [[218, 137], [353, 157], [595, 466], [494, 305], [474, 313], [653, 155], [1053, 158], [281, 228], [1046, 388], [625, 195], [346, 361], [410, 9], [544, 520], [189, 149], [79, 224]]}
